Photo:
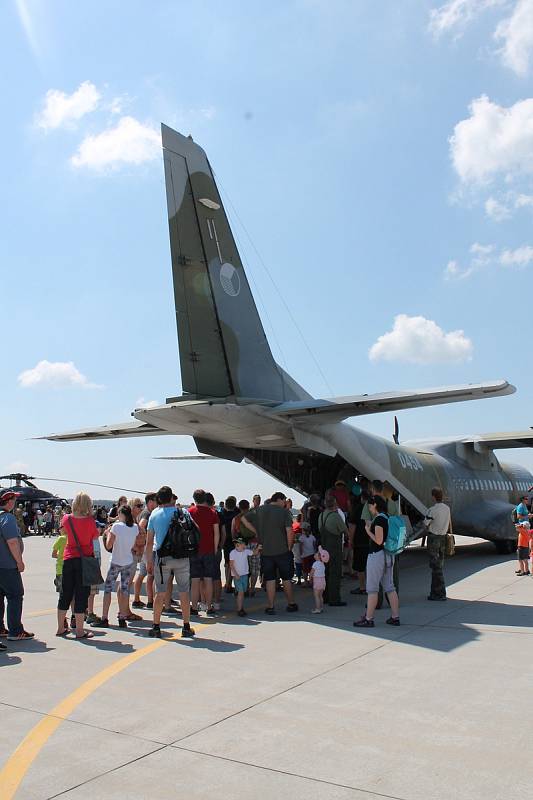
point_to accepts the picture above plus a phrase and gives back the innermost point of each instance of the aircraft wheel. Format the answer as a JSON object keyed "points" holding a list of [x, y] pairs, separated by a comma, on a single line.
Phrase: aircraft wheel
{"points": [[505, 546]]}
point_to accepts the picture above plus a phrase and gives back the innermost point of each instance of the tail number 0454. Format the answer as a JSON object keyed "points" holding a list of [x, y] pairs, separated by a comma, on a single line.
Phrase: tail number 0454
{"points": [[410, 462]]}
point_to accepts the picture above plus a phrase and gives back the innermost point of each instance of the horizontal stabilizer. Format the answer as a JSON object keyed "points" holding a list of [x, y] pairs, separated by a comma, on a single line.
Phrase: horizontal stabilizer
{"points": [[339, 408], [501, 441], [122, 430]]}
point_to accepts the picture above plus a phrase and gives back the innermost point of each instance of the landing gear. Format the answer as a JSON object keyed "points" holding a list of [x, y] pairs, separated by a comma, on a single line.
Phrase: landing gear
{"points": [[505, 546]]}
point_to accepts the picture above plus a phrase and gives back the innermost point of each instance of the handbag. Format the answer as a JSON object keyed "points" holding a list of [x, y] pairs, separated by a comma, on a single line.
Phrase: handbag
{"points": [[90, 568], [449, 543]]}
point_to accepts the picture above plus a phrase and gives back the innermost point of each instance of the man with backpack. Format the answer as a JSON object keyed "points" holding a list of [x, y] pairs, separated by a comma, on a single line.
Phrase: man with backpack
{"points": [[169, 544]]}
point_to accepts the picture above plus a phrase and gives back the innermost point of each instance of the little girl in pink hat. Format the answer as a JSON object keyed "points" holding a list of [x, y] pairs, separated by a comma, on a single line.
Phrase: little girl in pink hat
{"points": [[318, 578]]}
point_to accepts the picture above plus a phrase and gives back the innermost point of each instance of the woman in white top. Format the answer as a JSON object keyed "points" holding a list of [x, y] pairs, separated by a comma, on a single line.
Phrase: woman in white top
{"points": [[120, 541]]}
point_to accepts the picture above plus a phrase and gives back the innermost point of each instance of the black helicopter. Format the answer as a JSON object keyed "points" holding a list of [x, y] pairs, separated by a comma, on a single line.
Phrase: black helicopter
{"points": [[30, 493]]}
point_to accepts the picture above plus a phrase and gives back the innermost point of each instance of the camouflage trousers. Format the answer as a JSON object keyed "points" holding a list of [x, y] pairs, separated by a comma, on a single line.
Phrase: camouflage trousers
{"points": [[436, 548]]}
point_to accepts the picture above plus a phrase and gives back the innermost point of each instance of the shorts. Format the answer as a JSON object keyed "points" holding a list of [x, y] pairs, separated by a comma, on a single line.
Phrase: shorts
{"points": [[254, 565], [114, 571], [379, 570], [241, 583], [523, 553], [282, 564], [319, 584], [205, 566], [166, 568], [142, 569]]}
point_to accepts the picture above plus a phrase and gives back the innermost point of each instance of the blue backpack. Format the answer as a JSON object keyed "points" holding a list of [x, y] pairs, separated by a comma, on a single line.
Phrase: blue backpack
{"points": [[396, 540]]}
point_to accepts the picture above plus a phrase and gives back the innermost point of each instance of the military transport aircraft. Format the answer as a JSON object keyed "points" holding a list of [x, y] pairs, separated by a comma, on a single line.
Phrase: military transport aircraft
{"points": [[238, 403]]}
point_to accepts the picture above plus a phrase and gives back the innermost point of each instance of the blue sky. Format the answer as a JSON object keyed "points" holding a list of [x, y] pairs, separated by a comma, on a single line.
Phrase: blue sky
{"points": [[380, 156]]}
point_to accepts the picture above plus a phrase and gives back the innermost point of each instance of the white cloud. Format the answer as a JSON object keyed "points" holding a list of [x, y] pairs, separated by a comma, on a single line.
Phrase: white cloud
{"points": [[481, 256], [516, 32], [56, 375], [142, 403], [128, 142], [493, 141], [497, 211], [60, 109], [418, 340], [456, 14], [521, 257], [523, 200]]}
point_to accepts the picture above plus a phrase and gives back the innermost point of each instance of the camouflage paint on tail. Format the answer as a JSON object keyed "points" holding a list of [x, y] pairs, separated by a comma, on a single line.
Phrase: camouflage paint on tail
{"points": [[223, 348]]}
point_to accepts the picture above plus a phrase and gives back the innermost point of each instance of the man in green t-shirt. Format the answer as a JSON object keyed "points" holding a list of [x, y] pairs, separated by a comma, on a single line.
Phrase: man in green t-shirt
{"points": [[272, 522], [332, 530]]}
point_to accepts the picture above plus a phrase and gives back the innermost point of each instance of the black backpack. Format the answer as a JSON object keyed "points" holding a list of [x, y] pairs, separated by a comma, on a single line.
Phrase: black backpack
{"points": [[182, 539]]}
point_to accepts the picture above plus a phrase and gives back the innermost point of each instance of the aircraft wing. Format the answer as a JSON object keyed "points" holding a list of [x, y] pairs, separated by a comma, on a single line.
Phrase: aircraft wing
{"points": [[339, 408], [502, 441], [122, 430]]}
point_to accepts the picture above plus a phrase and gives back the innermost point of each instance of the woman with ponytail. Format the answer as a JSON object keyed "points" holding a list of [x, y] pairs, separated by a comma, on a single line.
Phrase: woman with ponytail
{"points": [[120, 542]]}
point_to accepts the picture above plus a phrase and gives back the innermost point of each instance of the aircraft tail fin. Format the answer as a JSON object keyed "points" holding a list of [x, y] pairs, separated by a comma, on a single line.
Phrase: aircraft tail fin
{"points": [[223, 348]]}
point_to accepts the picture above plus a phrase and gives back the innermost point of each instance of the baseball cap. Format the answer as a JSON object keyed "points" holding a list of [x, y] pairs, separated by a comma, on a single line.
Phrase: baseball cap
{"points": [[7, 494], [239, 540]]}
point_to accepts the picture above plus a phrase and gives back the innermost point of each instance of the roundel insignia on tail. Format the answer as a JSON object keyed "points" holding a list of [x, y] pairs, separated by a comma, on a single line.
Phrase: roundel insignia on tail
{"points": [[230, 280]]}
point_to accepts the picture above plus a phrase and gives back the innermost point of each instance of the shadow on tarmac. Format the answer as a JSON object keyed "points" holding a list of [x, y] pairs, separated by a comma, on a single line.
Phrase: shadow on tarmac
{"points": [[441, 627], [7, 660]]}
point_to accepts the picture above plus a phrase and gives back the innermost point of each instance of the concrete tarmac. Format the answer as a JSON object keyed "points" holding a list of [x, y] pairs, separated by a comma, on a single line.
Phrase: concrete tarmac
{"points": [[294, 705]]}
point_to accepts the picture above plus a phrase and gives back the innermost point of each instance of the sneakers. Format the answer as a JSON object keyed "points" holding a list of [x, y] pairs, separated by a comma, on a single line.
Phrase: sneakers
{"points": [[292, 607], [122, 623], [149, 606], [270, 610], [187, 632], [155, 632], [3, 646], [138, 604], [194, 611], [364, 623], [3, 633], [393, 621], [92, 618], [211, 612], [103, 623], [20, 636], [241, 613], [317, 610]]}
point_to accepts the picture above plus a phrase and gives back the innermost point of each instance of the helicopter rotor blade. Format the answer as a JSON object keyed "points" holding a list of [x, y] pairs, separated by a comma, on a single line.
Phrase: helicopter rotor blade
{"points": [[88, 483]]}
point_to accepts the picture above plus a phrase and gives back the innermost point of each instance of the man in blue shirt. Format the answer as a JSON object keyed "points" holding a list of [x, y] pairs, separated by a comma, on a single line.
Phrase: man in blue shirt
{"points": [[11, 567], [522, 511], [166, 569]]}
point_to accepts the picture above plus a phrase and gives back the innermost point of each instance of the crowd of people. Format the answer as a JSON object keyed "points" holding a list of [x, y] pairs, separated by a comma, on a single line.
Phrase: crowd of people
{"points": [[523, 515], [155, 541]]}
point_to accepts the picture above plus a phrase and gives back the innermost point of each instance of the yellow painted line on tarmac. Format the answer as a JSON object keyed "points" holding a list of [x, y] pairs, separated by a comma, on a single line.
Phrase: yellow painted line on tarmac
{"points": [[20, 761], [42, 613]]}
